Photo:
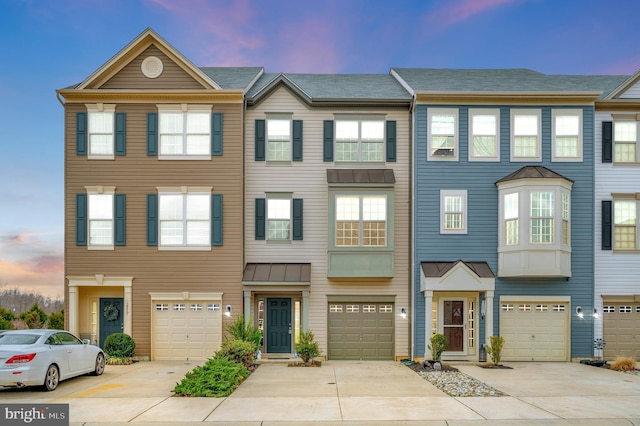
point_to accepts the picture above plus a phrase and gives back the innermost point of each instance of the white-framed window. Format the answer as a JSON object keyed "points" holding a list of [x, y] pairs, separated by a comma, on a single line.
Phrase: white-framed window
{"points": [[336, 308], [625, 141], [278, 137], [624, 309], [558, 308], [524, 308], [100, 128], [361, 220], [566, 220], [442, 134], [385, 309], [360, 140], [184, 131], [507, 307], [185, 219], [453, 211], [625, 224], [162, 306], [542, 308], [100, 217], [353, 309], [609, 309], [511, 223], [484, 134], [369, 309], [566, 128], [525, 135], [541, 217], [279, 218]]}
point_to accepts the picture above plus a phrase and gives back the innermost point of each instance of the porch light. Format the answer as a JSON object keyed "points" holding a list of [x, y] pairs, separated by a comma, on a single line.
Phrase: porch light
{"points": [[228, 311], [595, 313], [403, 312], [579, 312]]}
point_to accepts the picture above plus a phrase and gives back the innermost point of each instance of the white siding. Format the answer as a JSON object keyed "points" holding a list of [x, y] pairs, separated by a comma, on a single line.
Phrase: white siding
{"points": [[615, 273], [308, 180], [632, 92]]}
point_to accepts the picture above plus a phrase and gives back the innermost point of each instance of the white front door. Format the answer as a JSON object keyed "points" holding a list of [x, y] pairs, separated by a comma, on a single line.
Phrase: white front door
{"points": [[453, 323]]}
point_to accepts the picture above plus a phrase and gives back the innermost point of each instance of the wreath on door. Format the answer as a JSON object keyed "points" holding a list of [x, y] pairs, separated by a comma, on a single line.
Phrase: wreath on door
{"points": [[111, 313]]}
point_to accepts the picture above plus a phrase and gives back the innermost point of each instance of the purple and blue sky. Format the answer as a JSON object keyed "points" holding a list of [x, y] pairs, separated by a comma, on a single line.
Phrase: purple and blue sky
{"points": [[48, 45]]}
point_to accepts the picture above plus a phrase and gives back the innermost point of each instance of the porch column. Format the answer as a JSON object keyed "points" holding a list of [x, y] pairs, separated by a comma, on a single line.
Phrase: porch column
{"points": [[428, 321], [247, 306], [305, 310], [128, 322], [73, 309], [488, 319]]}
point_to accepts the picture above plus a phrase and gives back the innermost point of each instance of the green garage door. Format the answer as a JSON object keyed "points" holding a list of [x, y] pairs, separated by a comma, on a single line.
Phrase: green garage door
{"points": [[361, 331]]}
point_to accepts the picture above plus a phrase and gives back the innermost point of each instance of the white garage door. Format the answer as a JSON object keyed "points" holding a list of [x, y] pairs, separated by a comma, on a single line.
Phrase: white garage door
{"points": [[186, 330], [535, 331]]}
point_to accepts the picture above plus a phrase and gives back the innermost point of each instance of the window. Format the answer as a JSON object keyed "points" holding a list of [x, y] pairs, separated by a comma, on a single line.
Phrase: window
{"points": [[100, 125], [511, 219], [507, 307], [567, 135], [361, 220], [565, 219], [335, 308], [100, 219], [558, 308], [609, 309], [442, 138], [541, 217], [352, 309], [162, 306], [542, 308], [484, 136], [453, 212], [179, 307], [185, 219], [279, 219], [185, 131], [360, 140], [625, 213], [624, 309], [525, 135], [625, 136], [279, 138]]}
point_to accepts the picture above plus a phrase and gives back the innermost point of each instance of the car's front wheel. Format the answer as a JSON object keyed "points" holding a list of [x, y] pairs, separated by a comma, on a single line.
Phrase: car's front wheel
{"points": [[52, 378], [99, 369]]}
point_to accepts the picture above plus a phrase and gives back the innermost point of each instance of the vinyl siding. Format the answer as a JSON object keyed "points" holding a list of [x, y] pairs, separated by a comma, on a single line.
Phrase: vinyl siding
{"points": [[137, 175], [632, 92], [615, 273], [308, 180], [481, 241]]}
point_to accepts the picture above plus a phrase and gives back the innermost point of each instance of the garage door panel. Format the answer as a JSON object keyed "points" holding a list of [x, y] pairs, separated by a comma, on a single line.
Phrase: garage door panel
{"points": [[621, 330]]}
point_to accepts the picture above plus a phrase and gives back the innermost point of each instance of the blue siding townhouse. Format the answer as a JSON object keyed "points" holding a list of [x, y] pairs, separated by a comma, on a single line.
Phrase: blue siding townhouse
{"points": [[503, 217]]}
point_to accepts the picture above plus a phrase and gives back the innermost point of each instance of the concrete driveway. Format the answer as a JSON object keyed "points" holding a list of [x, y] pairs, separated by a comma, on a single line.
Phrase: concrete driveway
{"points": [[350, 393]]}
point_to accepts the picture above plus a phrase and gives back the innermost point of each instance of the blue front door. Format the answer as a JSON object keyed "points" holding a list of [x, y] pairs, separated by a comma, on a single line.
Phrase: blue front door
{"points": [[111, 317], [279, 326]]}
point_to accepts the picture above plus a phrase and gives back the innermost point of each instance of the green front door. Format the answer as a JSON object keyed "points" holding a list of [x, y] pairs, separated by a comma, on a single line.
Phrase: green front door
{"points": [[279, 326], [111, 317]]}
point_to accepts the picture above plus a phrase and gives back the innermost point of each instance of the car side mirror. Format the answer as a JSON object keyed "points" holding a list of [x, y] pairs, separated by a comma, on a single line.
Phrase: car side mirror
{"points": [[85, 341]]}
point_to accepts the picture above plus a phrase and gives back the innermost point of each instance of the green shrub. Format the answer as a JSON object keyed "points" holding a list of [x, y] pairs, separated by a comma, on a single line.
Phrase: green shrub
{"points": [[239, 351], [238, 330], [119, 345], [307, 349], [494, 349], [218, 377], [56, 321], [438, 346]]}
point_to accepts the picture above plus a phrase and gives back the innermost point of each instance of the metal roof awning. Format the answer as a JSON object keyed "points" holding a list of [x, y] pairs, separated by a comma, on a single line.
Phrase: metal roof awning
{"points": [[277, 273]]}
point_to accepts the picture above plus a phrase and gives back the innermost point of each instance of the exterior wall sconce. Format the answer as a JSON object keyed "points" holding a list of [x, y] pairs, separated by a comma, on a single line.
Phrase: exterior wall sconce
{"points": [[228, 311], [595, 313], [403, 312], [579, 312]]}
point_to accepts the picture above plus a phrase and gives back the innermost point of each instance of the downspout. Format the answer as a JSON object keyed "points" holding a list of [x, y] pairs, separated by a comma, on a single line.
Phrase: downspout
{"points": [[412, 227]]}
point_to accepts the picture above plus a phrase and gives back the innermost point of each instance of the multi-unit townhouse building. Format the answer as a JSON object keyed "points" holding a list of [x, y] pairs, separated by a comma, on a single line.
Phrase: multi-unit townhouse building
{"points": [[617, 208], [374, 210]]}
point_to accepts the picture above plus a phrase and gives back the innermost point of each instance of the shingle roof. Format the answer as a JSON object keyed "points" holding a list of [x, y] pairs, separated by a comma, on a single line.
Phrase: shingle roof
{"points": [[277, 272], [232, 77], [532, 172], [360, 176], [439, 269]]}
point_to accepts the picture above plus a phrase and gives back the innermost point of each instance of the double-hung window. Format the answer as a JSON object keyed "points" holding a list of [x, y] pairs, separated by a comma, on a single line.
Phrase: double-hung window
{"points": [[453, 211], [361, 220], [278, 219], [541, 217], [360, 140], [625, 138], [185, 219], [625, 214], [442, 136], [185, 131], [484, 136], [511, 224], [525, 135], [279, 138], [100, 128], [567, 134], [100, 219]]}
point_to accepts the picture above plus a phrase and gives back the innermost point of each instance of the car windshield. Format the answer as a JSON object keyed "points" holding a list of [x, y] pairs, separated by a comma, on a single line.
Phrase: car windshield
{"points": [[18, 339]]}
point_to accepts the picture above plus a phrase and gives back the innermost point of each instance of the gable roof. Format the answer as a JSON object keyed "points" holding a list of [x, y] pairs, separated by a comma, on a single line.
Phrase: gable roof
{"points": [[623, 86], [439, 269], [533, 172]]}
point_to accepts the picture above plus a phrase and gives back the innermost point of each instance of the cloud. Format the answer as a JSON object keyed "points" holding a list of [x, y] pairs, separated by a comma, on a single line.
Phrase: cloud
{"points": [[452, 13]]}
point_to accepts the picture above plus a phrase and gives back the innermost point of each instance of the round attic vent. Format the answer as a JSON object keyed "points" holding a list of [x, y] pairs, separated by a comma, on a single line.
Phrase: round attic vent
{"points": [[152, 67]]}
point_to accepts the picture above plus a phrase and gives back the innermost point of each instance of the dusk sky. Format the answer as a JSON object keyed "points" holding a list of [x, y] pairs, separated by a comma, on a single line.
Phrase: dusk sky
{"points": [[48, 45]]}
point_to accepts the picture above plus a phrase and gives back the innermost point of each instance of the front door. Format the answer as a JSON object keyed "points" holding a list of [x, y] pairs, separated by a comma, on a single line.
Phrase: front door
{"points": [[279, 326], [111, 317], [453, 324]]}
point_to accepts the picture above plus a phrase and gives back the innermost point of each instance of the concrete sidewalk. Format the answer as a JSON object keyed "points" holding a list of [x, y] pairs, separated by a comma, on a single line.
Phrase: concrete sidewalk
{"points": [[360, 393]]}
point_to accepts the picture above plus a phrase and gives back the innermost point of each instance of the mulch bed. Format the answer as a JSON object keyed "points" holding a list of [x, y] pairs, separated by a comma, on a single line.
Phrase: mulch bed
{"points": [[312, 363], [426, 366]]}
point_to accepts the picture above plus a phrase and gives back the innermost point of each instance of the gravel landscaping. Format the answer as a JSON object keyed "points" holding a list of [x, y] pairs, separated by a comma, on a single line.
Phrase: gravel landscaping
{"points": [[453, 382]]}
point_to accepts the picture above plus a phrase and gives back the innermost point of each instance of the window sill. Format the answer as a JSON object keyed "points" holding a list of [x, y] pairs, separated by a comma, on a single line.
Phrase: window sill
{"points": [[101, 157], [623, 251], [444, 158], [105, 247], [279, 242], [271, 163], [184, 248], [359, 163], [185, 157]]}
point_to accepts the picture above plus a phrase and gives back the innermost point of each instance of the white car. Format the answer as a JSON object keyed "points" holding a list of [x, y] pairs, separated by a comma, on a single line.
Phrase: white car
{"points": [[45, 358]]}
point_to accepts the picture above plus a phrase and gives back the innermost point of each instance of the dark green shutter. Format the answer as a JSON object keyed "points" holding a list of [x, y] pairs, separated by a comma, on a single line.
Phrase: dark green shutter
{"points": [[607, 225], [216, 219], [152, 134], [121, 133], [391, 141], [261, 218], [216, 134], [81, 133], [297, 219], [607, 142], [120, 213], [260, 140], [297, 140], [152, 220], [81, 219], [327, 140]]}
